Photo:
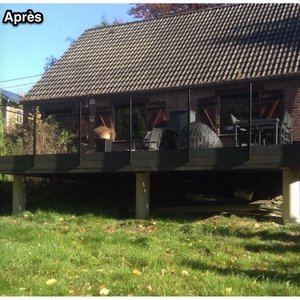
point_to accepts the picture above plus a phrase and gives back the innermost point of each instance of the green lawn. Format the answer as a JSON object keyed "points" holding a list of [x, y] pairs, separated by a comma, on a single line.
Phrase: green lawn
{"points": [[50, 253]]}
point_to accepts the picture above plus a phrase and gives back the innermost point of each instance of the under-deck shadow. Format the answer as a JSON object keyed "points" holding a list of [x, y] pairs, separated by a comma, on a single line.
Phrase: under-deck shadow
{"points": [[258, 274]]}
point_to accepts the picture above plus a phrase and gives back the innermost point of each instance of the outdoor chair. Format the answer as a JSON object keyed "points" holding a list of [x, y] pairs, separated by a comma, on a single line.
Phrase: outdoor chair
{"points": [[239, 132], [286, 129], [242, 134], [153, 138]]}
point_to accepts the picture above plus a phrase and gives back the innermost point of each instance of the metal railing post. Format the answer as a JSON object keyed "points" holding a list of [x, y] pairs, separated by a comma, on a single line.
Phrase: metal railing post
{"points": [[34, 135], [188, 124], [79, 129], [250, 117], [130, 130]]}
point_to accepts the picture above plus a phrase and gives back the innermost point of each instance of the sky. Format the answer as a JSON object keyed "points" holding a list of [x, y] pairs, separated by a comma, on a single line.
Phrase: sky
{"points": [[25, 48]]}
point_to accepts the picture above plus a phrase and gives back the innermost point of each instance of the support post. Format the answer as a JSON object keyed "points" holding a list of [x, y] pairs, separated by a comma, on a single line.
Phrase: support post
{"points": [[19, 200], [142, 195], [291, 196]]}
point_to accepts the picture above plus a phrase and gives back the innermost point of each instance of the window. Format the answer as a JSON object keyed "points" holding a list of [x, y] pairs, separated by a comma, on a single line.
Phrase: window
{"points": [[138, 121], [64, 118], [207, 112], [103, 117], [19, 118], [156, 115], [236, 105]]}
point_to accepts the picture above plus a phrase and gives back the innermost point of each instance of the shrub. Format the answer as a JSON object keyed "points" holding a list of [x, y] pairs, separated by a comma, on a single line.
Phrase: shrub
{"points": [[50, 138]]}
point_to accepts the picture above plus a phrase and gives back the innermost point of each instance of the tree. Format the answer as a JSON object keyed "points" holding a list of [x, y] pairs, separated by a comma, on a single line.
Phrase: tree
{"points": [[150, 11], [50, 62]]}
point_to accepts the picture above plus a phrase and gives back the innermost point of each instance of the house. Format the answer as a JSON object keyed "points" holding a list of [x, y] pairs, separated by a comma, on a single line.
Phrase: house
{"points": [[11, 109], [214, 52], [210, 62]]}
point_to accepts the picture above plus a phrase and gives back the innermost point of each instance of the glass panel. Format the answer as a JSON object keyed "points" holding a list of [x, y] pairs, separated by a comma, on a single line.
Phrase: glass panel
{"points": [[236, 105], [103, 118], [138, 122], [156, 117], [64, 118]]}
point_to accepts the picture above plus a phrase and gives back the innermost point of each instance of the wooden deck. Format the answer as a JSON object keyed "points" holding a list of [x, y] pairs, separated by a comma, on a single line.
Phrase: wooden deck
{"points": [[271, 157]]}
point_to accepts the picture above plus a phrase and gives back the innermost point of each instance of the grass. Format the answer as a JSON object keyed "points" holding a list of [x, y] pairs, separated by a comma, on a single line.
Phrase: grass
{"points": [[49, 253]]}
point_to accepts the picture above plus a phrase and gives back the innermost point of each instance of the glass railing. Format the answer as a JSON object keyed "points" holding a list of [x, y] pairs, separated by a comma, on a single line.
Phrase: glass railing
{"points": [[132, 131]]}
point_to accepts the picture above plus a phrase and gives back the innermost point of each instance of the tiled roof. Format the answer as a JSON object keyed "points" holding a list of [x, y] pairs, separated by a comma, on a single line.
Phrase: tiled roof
{"points": [[215, 45], [11, 96]]}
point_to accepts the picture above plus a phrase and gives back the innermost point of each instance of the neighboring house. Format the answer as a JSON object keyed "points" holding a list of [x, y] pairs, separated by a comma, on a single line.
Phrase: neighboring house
{"points": [[12, 110]]}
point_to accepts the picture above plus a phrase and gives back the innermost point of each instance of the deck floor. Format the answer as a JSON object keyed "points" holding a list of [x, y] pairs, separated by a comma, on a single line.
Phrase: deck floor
{"points": [[272, 157]]}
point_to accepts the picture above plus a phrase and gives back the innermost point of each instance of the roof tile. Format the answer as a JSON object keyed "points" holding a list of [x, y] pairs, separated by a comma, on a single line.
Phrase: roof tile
{"points": [[220, 44]]}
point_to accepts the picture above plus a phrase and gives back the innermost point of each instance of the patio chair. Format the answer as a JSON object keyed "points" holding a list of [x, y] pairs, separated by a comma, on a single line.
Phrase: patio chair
{"points": [[153, 138], [239, 132], [242, 134], [286, 129]]}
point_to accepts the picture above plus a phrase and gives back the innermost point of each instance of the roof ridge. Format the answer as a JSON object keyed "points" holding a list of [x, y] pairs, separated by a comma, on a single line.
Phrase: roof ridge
{"points": [[225, 5]]}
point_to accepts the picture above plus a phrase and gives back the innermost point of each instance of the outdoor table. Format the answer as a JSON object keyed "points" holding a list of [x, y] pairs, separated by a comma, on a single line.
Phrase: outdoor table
{"points": [[259, 125]]}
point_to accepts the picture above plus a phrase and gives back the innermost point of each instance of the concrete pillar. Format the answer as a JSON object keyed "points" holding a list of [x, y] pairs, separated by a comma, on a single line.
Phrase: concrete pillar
{"points": [[291, 196], [18, 201], [142, 195]]}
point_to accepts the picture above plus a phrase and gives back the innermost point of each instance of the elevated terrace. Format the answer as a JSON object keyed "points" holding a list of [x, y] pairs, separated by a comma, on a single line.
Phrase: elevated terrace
{"points": [[256, 144]]}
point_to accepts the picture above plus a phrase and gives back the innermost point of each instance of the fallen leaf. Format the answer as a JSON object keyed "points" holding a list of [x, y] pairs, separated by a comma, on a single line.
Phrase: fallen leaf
{"points": [[162, 272], [228, 290], [104, 291], [136, 272], [51, 281]]}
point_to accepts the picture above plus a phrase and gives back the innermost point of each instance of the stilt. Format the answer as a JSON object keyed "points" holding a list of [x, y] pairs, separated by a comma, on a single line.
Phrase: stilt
{"points": [[291, 196], [18, 201], [142, 195]]}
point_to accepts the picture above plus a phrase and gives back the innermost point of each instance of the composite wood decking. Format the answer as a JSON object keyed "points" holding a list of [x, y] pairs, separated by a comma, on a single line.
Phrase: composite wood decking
{"points": [[271, 157]]}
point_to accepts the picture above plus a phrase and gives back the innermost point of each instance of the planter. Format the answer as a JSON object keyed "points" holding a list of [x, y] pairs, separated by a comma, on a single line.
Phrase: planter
{"points": [[103, 145]]}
